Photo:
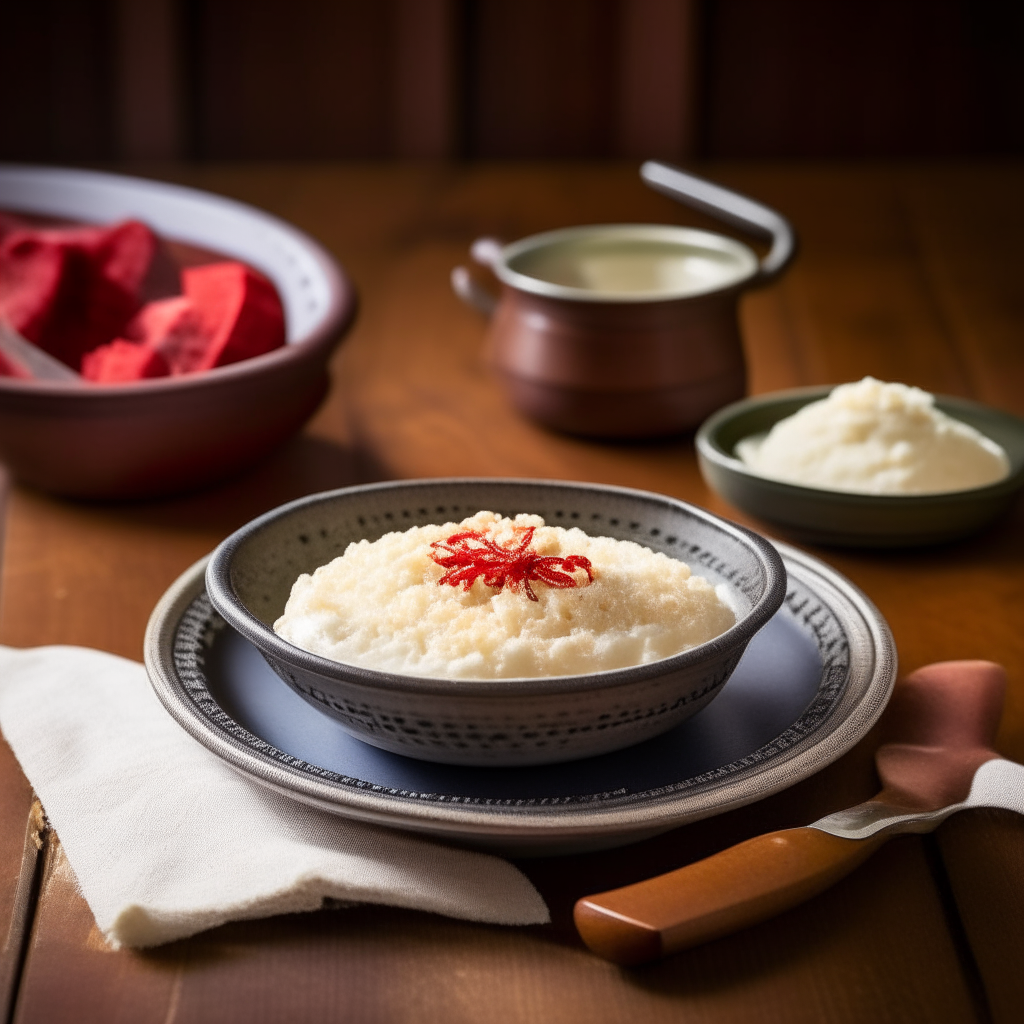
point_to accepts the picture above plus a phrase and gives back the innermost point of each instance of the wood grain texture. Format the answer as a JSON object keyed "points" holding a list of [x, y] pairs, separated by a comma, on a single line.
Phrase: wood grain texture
{"points": [[905, 273], [20, 843], [659, 54], [309, 79], [983, 851], [58, 89], [287, 79], [856, 955], [149, 106], [541, 78], [425, 66], [22, 831]]}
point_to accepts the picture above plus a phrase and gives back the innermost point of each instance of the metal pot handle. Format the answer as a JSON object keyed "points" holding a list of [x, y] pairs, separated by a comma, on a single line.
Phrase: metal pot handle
{"points": [[487, 252], [730, 207]]}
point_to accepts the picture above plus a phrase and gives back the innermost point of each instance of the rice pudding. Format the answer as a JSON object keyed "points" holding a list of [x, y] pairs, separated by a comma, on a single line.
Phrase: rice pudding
{"points": [[493, 597]]}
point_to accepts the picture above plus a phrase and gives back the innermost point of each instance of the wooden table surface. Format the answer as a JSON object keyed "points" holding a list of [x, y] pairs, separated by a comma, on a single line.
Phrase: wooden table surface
{"points": [[910, 273]]}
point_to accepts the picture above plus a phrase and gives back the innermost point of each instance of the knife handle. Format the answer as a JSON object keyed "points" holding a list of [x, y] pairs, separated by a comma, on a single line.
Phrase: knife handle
{"points": [[728, 891]]}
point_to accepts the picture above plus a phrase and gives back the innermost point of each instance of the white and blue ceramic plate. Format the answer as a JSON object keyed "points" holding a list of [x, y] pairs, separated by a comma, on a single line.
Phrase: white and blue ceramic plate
{"points": [[808, 687]]}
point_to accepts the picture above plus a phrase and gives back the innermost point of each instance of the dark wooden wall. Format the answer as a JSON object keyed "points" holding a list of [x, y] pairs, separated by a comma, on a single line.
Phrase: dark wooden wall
{"points": [[798, 78], [89, 80], [58, 90]]}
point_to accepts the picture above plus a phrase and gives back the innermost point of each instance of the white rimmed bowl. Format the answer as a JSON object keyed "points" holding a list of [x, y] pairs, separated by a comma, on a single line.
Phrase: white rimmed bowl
{"points": [[171, 434], [506, 721]]}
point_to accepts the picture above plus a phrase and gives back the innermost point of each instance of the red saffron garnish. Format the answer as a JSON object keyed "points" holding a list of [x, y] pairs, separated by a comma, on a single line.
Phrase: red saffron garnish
{"points": [[469, 556]]}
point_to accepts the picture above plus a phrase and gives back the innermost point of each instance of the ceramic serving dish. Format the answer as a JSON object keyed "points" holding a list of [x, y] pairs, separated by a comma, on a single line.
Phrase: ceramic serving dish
{"points": [[170, 434], [505, 721], [842, 518], [809, 686]]}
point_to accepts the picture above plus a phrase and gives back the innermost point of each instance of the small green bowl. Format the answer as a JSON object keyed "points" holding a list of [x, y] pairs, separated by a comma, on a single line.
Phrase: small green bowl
{"points": [[854, 520]]}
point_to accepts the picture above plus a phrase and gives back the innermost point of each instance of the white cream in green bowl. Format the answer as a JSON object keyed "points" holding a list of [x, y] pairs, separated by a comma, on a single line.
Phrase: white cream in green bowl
{"points": [[865, 464], [873, 437]]}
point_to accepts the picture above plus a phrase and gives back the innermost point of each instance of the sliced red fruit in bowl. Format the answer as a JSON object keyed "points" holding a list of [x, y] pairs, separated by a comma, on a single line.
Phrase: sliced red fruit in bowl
{"points": [[122, 361], [228, 313], [69, 290]]}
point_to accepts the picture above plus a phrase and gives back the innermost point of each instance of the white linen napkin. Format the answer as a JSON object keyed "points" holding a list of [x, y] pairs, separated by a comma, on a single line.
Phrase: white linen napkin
{"points": [[166, 840]]}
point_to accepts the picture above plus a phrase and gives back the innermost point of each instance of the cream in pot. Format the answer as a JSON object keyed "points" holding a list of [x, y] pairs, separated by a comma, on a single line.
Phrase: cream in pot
{"points": [[625, 263]]}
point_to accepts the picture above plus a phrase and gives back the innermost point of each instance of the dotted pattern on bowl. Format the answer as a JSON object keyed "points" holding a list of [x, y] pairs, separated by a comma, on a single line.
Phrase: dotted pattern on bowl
{"points": [[494, 734], [199, 626]]}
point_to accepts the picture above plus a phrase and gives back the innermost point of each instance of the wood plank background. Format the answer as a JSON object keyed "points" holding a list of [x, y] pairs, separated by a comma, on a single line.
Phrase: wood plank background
{"points": [[94, 80]]}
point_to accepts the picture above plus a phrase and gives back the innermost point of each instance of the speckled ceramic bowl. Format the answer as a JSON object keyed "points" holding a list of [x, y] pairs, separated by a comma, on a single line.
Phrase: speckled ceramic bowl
{"points": [[842, 518], [505, 721]]}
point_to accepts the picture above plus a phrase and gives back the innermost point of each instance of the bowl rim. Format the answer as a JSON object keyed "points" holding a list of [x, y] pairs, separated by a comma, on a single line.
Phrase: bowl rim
{"points": [[744, 258], [708, 447], [336, 319], [231, 608]]}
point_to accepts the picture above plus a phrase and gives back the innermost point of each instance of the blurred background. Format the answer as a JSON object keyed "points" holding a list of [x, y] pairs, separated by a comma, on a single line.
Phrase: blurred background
{"points": [[100, 80]]}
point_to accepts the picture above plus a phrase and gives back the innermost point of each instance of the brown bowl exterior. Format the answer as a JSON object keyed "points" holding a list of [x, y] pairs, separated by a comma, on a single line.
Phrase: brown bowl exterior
{"points": [[136, 441], [618, 370]]}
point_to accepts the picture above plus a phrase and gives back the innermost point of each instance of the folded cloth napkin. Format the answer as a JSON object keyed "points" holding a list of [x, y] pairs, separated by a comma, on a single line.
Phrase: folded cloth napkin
{"points": [[166, 840]]}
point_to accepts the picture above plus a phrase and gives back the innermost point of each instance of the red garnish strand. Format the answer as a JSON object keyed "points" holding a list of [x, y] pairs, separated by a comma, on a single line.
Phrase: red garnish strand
{"points": [[469, 556]]}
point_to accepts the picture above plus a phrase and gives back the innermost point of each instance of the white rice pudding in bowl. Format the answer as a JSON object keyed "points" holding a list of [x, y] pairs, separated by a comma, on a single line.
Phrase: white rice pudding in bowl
{"points": [[497, 598], [485, 570]]}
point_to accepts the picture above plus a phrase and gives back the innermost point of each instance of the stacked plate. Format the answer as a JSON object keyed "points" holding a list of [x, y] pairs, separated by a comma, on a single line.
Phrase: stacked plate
{"points": [[809, 686]]}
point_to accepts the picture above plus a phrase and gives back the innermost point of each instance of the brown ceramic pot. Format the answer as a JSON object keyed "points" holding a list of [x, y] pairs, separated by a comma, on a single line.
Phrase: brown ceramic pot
{"points": [[626, 330]]}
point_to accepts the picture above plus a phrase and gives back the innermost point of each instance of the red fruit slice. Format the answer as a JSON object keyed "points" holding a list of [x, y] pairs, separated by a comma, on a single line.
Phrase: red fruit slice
{"points": [[72, 289], [122, 361], [163, 279], [31, 272], [239, 310], [227, 313], [173, 328], [9, 223]]}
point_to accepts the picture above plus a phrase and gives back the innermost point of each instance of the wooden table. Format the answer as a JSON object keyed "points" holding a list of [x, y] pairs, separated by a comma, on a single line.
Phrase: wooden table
{"points": [[907, 273]]}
